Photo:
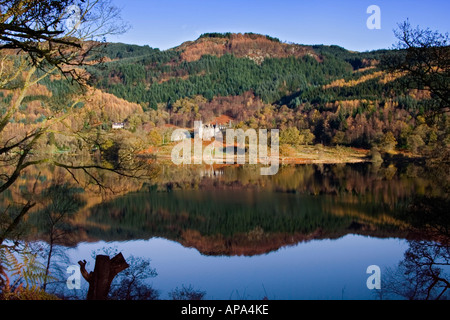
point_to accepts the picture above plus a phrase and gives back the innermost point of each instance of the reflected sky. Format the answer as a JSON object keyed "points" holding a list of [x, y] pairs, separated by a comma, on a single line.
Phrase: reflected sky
{"points": [[319, 269]]}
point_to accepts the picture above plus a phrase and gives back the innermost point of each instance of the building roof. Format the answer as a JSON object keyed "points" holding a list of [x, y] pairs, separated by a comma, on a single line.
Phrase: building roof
{"points": [[223, 119]]}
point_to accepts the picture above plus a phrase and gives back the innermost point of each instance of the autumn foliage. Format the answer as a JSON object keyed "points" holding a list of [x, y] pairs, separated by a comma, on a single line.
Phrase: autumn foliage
{"points": [[253, 46]]}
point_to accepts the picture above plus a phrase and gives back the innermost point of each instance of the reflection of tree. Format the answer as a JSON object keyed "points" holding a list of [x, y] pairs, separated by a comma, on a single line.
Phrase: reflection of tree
{"points": [[186, 293], [38, 31], [130, 283], [37, 44], [57, 203], [421, 275], [61, 201]]}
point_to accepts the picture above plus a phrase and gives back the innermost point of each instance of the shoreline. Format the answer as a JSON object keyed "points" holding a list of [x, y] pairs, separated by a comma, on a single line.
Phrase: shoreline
{"points": [[313, 154]]}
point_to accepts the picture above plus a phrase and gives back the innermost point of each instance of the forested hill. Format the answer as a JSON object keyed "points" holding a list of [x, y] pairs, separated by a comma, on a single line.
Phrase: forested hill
{"points": [[221, 65], [314, 94]]}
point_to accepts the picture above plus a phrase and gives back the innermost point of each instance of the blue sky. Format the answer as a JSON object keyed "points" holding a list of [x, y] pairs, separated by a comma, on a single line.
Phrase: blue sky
{"points": [[167, 23]]}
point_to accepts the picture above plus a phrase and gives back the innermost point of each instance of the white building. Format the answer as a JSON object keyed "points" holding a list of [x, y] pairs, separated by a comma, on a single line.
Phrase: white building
{"points": [[219, 124], [180, 136], [118, 125], [208, 131]]}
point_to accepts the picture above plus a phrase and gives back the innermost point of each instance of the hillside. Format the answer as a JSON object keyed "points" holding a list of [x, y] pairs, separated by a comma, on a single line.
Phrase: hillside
{"points": [[315, 94], [255, 47]]}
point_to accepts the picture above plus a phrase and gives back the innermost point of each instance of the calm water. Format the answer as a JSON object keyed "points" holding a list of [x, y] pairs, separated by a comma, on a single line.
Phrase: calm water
{"points": [[310, 232], [319, 269]]}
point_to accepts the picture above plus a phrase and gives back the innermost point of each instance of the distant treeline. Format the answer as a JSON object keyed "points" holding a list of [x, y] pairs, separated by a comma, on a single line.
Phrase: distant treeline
{"points": [[228, 35]]}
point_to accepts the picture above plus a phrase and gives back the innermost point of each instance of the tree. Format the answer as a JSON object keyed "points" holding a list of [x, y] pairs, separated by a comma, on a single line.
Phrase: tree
{"points": [[37, 41], [46, 41], [186, 293], [294, 137], [105, 271], [387, 142], [60, 201], [423, 57], [155, 138], [422, 275], [130, 284], [54, 33], [291, 136]]}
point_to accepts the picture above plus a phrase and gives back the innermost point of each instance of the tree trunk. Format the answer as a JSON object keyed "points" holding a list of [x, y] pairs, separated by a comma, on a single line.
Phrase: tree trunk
{"points": [[104, 272]]}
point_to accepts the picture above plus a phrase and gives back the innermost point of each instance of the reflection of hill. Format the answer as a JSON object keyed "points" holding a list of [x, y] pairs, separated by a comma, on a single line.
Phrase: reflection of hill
{"points": [[36, 183], [236, 222], [242, 213]]}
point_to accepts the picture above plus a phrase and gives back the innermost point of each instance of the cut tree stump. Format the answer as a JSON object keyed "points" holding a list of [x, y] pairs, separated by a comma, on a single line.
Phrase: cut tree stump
{"points": [[104, 272]]}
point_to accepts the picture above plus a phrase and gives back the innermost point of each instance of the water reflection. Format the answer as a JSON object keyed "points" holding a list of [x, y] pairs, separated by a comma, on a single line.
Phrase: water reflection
{"points": [[231, 212], [242, 213], [424, 273], [318, 269]]}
